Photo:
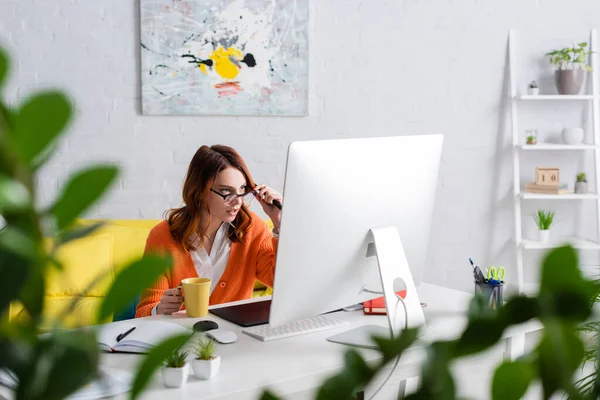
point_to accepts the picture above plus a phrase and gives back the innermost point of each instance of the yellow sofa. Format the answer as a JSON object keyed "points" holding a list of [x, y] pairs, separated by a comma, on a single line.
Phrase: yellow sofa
{"points": [[105, 252]]}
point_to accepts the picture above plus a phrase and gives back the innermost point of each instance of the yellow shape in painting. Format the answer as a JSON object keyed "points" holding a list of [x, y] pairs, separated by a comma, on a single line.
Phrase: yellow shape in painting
{"points": [[203, 69], [223, 65]]}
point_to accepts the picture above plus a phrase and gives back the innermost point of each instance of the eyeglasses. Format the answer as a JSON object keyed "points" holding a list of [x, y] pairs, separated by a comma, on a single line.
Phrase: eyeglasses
{"points": [[231, 199]]}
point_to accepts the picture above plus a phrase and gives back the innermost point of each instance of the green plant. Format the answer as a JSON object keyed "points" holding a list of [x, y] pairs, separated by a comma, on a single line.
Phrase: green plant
{"points": [[205, 349], [544, 219], [590, 333], [561, 305], [532, 85], [581, 177], [571, 57], [176, 359], [55, 365], [530, 139]]}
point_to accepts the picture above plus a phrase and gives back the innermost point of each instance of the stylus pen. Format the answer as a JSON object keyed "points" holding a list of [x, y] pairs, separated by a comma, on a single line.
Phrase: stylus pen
{"points": [[277, 204], [122, 335]]}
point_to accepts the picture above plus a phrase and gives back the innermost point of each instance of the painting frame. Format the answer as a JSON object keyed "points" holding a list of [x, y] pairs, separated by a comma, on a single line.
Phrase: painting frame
{"points": [[224, 58]]}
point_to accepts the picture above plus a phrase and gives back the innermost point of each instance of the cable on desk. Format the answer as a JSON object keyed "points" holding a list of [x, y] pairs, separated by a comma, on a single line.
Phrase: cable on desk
{"points": [[397, 358]]}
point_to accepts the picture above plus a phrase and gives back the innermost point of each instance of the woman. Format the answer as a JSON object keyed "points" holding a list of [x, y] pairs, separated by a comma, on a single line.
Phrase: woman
{"points": [[215, 235]]}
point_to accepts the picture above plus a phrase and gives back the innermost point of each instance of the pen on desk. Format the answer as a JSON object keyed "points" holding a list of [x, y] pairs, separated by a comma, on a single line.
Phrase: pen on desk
{"points": [[477, 274], [122, 335]]}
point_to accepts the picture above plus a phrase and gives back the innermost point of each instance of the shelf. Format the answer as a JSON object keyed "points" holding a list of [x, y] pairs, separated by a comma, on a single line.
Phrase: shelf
{"points": [[552, 146], [556, 97], [578, 243], [569, 196]]}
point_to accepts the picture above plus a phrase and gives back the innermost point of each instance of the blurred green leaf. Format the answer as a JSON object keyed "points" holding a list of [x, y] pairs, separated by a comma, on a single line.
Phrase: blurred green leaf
{"points": [[511, 380], [84, 189], [519, 309], [435, 381], [14, 354], [560, 353], [479, 335], [14, 240], [14, 270], [65, 361], [34, 290], [392, 348], [563, 291], [3, 67], [268, 395], [39, 122], [355, 375], [153, 360], [131, 281], [77, 233], [13, 195]]}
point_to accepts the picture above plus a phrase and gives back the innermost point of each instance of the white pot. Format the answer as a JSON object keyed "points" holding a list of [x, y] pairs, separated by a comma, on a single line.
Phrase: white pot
{"points": [[581, 187], [176, 377], [572, 135], [206, 369], [533, 91], [543, 235]]}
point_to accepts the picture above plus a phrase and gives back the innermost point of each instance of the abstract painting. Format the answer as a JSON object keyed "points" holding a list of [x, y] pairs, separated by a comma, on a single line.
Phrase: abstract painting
{"points": [[224, 57]]}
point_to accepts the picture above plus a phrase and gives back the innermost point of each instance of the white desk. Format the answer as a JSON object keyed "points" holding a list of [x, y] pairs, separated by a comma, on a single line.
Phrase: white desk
{"points": [[300, 364]]}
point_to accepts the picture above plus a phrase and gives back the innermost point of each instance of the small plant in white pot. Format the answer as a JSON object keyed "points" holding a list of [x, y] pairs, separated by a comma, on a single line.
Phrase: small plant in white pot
{"points": [[581, 183], [176, 370], [206, 364], [544, 219], [533, 88], [572, 66]]}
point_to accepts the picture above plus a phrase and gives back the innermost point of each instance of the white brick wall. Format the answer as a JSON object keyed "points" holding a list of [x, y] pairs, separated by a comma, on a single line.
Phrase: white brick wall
{"points": [[377, 68]]}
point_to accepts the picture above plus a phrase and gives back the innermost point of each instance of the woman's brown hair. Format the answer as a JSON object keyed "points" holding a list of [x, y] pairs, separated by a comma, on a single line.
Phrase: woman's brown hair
{"points": [[187, 221]]}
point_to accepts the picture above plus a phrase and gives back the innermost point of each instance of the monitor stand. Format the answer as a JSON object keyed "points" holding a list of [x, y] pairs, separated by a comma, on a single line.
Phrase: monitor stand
{"points": [[393, 266]]}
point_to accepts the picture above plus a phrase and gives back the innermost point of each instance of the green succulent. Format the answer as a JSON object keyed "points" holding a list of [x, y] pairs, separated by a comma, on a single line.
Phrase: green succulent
{"points": [[544, 219], [205, 349], [581, 177], [176, 359]]}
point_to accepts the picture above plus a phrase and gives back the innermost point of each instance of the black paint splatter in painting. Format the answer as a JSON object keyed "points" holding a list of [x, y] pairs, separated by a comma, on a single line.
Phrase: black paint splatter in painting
{"points": [[156, 67], [198, 61], [156, 52], [188, 39], [164, 94], [249, 60]]}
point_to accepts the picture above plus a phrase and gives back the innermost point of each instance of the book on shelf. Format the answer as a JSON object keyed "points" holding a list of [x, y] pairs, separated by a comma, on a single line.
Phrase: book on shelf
{"points": [[542, 189], [136, 336]]}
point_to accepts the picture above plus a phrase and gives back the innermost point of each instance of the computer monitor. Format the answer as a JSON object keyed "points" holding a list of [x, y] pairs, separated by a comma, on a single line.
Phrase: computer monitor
{"points": [[335, 193]]}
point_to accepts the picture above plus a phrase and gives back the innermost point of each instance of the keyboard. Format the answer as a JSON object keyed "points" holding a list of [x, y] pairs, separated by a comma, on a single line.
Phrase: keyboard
{"points": [[301, 327]]}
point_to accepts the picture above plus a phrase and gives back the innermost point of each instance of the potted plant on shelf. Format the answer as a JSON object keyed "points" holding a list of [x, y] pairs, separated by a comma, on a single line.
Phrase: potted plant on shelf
{"points": [[176, 369], [581, 183], [533, 89], [531, 139], [206, 364], [544, 219], [571, 63]]}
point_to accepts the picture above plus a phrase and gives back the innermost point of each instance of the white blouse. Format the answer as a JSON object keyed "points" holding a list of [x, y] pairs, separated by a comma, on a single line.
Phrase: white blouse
{"points": [[211, 266]]}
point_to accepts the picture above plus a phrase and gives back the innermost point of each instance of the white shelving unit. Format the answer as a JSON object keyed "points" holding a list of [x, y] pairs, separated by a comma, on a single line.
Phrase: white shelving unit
{"points": [[519, 149]]}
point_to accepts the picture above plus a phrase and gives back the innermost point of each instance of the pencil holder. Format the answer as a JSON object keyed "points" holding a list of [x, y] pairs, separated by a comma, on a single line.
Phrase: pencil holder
{"points": [[491, 292]]}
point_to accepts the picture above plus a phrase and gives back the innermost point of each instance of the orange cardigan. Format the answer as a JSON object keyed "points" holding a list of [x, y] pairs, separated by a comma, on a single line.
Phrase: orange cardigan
{"points": [[252, 259]]}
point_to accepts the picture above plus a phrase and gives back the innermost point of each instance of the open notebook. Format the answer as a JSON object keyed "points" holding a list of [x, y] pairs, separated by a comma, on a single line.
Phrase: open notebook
{"points": [[147, 334]]}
